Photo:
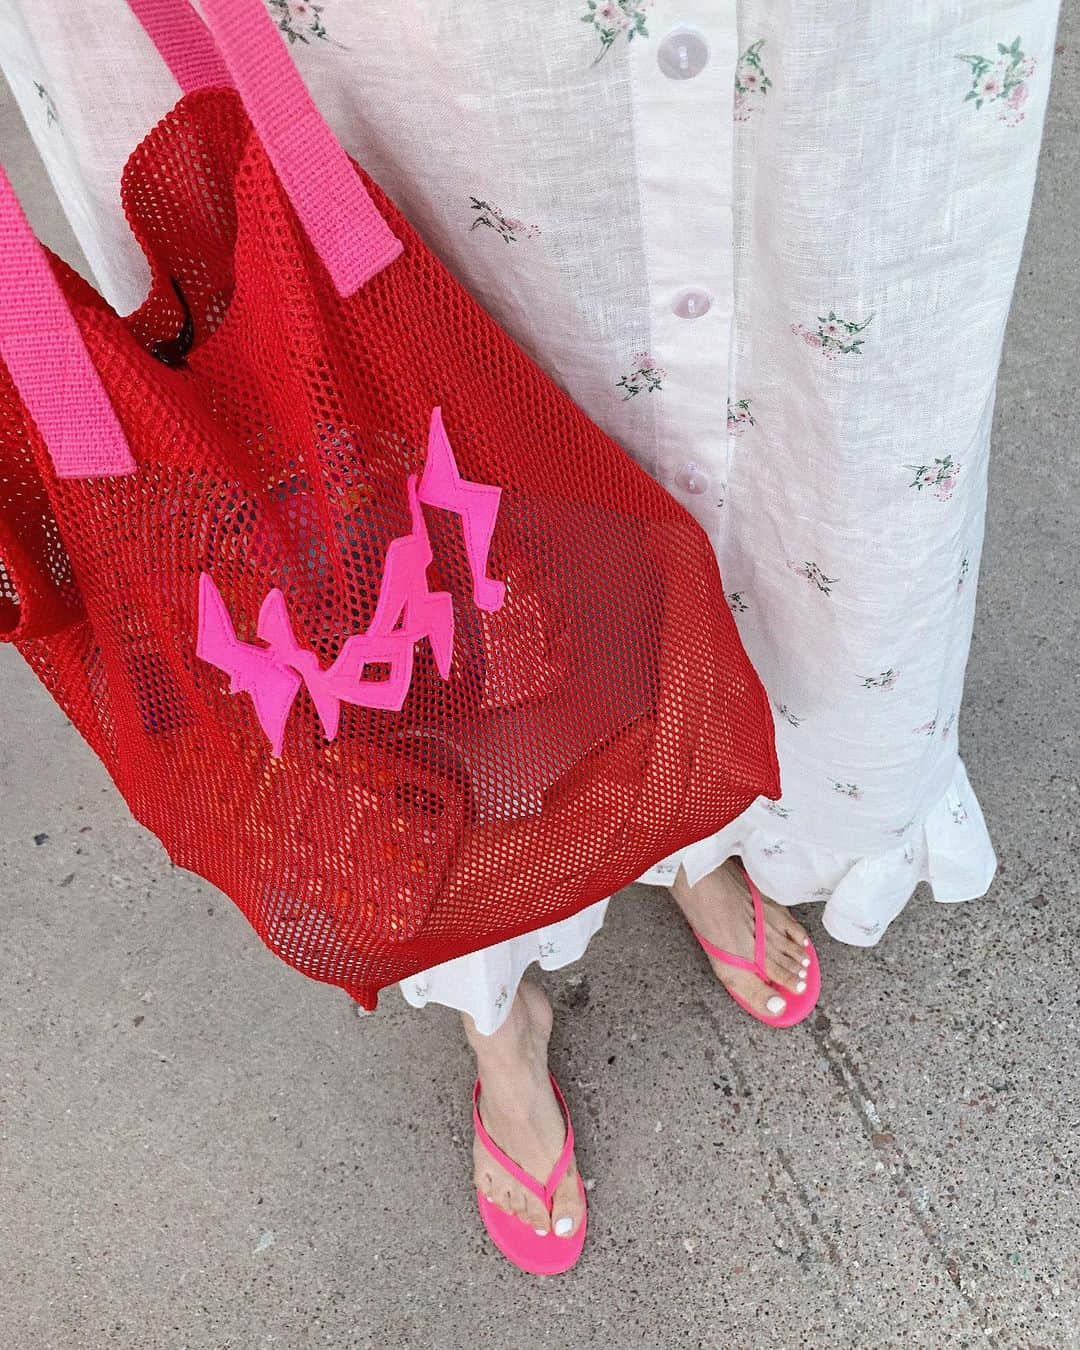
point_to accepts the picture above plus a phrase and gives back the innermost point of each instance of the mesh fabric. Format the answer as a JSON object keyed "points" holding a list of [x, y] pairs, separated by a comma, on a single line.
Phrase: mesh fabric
{"points": [[603, 717]]}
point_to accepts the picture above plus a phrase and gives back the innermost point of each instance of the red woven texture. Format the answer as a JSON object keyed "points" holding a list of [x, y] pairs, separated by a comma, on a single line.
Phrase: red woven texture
{"points": [[605, 716]]}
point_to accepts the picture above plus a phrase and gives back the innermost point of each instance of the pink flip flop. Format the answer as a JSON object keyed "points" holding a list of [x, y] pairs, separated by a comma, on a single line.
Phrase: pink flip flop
{"points": [[519, 1242], [799, 1006]]}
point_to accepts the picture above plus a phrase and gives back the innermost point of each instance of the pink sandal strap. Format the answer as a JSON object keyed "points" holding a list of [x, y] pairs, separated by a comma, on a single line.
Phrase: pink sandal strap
{"points": [[544, 1191], [759, 927], [728, 958], [757, 965]]}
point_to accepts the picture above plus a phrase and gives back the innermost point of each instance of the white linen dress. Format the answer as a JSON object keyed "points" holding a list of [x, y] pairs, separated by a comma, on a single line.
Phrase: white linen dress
{"points": [[770, 247]]}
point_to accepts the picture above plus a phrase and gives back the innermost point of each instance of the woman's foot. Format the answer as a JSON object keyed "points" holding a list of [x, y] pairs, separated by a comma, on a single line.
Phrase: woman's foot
{"points": [[719, 907], [519, 1111]]}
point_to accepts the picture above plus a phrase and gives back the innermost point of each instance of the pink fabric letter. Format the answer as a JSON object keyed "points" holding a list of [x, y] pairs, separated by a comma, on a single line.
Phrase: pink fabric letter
{"points": [[405, 612], [257, 671], [404, 596], [477, 504]]}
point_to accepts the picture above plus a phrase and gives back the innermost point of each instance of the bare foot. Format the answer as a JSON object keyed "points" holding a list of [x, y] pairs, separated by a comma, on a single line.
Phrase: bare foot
{"points": [[720, 908], [520, 1113]]}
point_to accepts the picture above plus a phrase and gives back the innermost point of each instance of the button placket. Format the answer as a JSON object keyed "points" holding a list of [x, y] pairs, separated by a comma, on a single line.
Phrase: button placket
{"points": [[682, 85], [684, 53], [692, 303]]}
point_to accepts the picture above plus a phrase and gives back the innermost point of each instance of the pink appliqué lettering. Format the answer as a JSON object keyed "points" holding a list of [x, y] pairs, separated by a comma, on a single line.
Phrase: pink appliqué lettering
{"points": [[405, 612]]}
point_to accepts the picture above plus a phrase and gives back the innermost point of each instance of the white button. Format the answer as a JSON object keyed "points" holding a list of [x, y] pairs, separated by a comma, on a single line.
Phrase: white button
{"points": [[692, 478], [683, 54], [692, 304]]}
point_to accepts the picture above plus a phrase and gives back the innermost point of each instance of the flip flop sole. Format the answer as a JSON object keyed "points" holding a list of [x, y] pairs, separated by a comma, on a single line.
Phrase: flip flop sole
{"points": [[524, 1248], [799, 1006]]}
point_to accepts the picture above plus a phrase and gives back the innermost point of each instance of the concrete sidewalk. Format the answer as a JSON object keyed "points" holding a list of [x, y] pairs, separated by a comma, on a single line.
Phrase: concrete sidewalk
{"points": [[202, 1149]]}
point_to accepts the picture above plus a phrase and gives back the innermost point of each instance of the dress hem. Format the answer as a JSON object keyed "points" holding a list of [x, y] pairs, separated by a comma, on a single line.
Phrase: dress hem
{"points": [[950, 850]]}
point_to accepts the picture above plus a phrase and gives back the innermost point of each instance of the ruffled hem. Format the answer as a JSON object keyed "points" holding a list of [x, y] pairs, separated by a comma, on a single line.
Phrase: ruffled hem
{"points": [[484, 983], [950, 849]]}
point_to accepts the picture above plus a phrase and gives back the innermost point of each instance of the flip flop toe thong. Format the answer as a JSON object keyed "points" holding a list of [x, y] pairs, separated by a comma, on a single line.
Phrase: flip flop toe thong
{"points": [[536, 1253], [799, 1006]]}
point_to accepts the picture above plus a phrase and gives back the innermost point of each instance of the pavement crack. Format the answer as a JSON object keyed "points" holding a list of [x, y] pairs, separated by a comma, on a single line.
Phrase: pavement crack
{"points": [[786, 1197], [914, 1194], [816, 1226]]}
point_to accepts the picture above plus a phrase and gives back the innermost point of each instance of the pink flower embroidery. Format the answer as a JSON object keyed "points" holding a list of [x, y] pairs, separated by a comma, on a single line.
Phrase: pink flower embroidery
{"points": [[751, 82], [815, 575], [1017, 97], [612, 19], [833, 336], [1001, 82], [739, 416], [508, 228], [645, 378], [299, 20], [51, 117], [941, 476], [811, 339]]}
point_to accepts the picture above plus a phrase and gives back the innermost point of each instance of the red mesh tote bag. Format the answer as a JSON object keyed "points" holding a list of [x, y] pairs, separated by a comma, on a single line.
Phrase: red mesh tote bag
{"points": [[368, 622]]}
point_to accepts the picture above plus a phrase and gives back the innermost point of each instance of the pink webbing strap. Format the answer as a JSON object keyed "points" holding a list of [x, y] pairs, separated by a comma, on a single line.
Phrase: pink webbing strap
{"points": [[338, 216], [43, 349], [183, 43]]}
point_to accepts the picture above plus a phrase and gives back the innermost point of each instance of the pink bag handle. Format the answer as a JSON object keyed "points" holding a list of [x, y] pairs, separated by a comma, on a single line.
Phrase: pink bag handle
{"points": [[183, 43], [247, 51], [40, 342], [43, 349]]}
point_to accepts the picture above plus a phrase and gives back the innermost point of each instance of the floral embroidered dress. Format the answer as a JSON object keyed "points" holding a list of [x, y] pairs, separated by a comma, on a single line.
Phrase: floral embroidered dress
{"points": [[771, 248]]}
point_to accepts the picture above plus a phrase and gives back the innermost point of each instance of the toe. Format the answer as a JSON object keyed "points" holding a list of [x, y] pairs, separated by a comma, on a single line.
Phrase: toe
{"points": [[520, 1200], [764, 999], [795, 931], [786, 958], [783, 962], [775, 1004], [568, 1205], [484, 1184], [768, 1001], [785, 972], [535, 1215]]}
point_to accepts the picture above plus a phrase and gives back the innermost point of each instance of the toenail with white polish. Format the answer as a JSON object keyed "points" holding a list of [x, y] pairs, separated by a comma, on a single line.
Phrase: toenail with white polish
{"points": [[776, 1004], [805, 962], [540, 1232], [806, 942], [563, 1225], [800, 988]]}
